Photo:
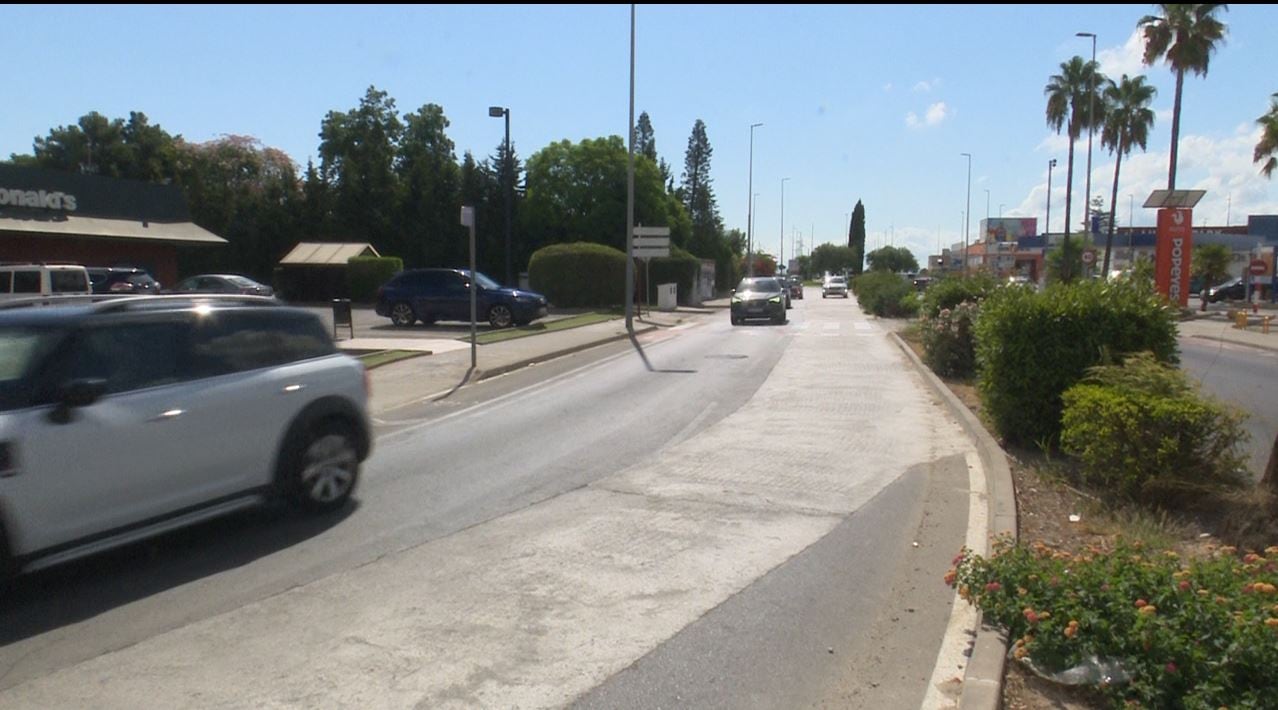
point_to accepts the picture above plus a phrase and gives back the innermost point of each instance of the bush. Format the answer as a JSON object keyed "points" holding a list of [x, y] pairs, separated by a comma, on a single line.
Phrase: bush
{"points": [[1031, 347], [680, 267], [1197, 634], [885, 294], [579, 274], [365, 274], [953, 290], [1140, 428], [948, 347]]}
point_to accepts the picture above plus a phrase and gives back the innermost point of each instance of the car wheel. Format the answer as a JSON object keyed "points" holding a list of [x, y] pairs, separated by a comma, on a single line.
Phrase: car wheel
{"points": [[322, 467], [736, 321], [402, 315], [499, 316]]}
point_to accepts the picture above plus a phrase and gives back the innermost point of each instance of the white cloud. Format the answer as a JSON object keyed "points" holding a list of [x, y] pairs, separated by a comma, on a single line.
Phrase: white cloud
{"points": [[912, 119], [1054, 144], [926, 86], [1127, 59], [887, 86], [936, 113]]}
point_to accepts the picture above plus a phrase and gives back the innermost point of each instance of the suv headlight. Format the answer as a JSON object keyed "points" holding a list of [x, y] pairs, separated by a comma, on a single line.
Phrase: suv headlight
{"points": [[736, 299], [774, 299]]}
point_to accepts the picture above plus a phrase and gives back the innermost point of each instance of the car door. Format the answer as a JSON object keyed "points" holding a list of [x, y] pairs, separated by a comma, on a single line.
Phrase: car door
{"points": [[454, 296], [115, 463]]}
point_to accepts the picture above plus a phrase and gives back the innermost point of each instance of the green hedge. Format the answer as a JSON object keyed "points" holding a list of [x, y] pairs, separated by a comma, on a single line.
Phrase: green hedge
{"points": [[953, 290], [579, 274], [885, 294], [680, 267], [1031, 347], [1141, 431], [365, 274]]}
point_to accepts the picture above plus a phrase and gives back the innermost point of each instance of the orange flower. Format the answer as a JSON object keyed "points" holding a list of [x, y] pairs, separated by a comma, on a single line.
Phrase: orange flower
{"points": [[1140, 603], [1148, 610], [950, 577]]}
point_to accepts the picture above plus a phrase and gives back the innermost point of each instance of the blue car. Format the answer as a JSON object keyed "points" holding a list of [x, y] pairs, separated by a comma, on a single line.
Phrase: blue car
{"points": [[430, 295]]}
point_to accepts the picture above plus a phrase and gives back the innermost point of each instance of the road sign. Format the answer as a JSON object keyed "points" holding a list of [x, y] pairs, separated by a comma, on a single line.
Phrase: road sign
{"points": [[1258, 267], [651, 253], [652, 231], [1089, 257], [652, 242]]}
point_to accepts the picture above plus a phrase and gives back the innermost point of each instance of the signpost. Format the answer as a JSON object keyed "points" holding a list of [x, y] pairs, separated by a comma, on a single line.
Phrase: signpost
{"points": [[1175, 241], [468, 220], [647, 243]]}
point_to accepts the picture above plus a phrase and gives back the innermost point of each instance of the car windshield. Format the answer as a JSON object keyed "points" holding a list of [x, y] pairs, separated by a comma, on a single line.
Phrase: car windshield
{"points": [[485, 282], [768, 285], [242, 281]]}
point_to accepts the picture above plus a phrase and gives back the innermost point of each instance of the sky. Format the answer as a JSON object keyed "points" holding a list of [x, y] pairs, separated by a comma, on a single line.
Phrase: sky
{"points": [[869, 103]]}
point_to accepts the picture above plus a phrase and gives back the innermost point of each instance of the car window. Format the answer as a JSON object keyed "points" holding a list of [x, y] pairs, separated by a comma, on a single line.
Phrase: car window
{"points": [[452, 283], [22, 349], [127, 355], [236, 341], [6, 281], [27, 281], [67, 281]]}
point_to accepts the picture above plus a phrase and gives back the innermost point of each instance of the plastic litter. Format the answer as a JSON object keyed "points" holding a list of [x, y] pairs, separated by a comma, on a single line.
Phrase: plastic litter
{"points": [[1093, 671]]}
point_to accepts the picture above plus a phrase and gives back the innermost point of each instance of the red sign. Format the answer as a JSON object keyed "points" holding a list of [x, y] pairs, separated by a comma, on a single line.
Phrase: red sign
{"points": [[1259, 267], [1171, 261]]}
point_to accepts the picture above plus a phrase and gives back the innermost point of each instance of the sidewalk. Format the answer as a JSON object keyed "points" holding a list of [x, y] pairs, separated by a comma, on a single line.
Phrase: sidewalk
{"points": [[1217, 326]]}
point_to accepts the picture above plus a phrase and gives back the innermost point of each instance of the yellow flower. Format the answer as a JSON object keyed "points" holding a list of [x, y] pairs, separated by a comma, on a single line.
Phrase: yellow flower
{"points": [[1148, 610], [1271, 623]]}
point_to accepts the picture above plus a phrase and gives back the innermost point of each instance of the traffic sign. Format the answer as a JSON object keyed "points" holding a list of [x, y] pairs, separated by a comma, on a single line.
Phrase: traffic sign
{"points": [[1258, 267], [652, 242], [1089, 257], [652, 231]]}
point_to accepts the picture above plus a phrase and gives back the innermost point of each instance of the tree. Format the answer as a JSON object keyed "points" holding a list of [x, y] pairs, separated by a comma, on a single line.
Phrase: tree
{"points": [[1070, 99], [893, 259], [1128, 119], [97, 145], [1268, 145], [698, 195], [357, 153], [429, 197], [856, 236], [1210, 263], [645, 143], [1185, 35], [1055, 263], [833, 258]]}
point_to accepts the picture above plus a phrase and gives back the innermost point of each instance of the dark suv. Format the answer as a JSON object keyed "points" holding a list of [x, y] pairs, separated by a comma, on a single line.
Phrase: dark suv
{"points": [[132, 417], [430, 295], [121, 279]]}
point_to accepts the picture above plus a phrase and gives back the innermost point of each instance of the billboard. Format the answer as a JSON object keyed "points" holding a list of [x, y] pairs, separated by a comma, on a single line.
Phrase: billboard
{"points": [[1008, 229], [1171, 256]]}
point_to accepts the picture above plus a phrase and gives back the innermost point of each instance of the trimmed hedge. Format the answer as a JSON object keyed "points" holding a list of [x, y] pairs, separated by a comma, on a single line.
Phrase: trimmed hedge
{"points": [[1031, 347], [953, 290], [680, 267], [579, 274], [885, 294], [365, 274]]}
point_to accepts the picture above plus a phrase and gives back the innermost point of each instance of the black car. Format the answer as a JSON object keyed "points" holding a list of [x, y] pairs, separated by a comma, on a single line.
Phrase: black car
{"points": [[121, 279], [796, 287], [758, 298], [224, 283], [1235, 290], [430, 295]]}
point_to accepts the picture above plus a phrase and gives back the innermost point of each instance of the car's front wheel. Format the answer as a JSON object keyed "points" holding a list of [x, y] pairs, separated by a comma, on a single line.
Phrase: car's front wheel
{"points": [[499, 316], [402, 315], [322, 467]]}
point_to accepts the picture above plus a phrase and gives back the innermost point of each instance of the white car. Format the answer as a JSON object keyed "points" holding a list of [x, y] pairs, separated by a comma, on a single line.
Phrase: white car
{"points": [[835, 286], [128, 418], [43, 281]]}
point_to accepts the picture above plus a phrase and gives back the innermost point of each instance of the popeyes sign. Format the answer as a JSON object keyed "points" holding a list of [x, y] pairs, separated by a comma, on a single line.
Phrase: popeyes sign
{"points": [[1171, 261]]}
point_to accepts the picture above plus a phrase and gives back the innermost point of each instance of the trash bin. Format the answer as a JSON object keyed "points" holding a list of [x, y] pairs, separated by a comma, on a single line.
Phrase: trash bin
{"points": [[342, 316]]}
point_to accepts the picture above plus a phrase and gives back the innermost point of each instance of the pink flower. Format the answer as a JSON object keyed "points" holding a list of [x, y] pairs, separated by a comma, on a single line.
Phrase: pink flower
{"points": [[1170, 667], [993, 587]]}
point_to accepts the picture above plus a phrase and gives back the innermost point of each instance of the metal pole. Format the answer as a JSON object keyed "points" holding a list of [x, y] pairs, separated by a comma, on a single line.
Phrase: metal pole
{"points": [[783, 219], [1047, 226], [630, 190], [750, 207], [1091, 129], [967, 212], [510, 190]]}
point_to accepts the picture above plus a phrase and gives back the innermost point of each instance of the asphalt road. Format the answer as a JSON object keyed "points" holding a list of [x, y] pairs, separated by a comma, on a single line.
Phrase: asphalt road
{"points": [[749, 497], [1244, 376]]}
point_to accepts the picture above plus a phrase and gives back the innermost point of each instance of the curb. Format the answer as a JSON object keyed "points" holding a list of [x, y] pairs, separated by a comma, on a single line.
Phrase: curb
{"points": [[983, 681], [483, 374]]}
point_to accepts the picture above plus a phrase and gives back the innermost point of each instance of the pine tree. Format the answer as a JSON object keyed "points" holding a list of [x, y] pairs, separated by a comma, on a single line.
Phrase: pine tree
{"points": [[856, 237], [697, 194]]}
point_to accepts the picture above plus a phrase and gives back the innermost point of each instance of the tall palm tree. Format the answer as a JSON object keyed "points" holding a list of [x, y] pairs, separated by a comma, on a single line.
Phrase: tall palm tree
{"points": [[1069, 105], [1128, 119], [1268, 145], [1186, 35]]}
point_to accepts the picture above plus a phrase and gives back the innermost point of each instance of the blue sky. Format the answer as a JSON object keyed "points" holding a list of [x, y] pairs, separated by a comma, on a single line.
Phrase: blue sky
{"points": [[869, 103]]}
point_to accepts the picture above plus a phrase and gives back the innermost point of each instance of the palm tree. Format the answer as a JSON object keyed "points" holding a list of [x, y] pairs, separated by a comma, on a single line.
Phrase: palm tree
{"points": [[1268, 145], [1127, 123], [1210, 263], [1186, 35], [1069, 105]]}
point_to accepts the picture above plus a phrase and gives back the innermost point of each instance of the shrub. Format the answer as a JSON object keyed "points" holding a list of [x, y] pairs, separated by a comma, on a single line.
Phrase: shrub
{"points": [[885, 294], [1196, 634], [578, 274], [1140, 427], [948, 347], [1031, 347], [680, 267], [365, 274], [953, 290]]}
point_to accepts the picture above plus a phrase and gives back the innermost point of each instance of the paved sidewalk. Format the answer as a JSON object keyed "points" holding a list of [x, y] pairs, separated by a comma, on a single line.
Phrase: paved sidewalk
{"points": [[1216, 326]]}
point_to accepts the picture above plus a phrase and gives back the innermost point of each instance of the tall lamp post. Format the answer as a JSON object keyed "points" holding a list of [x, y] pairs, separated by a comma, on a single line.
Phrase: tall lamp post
{"points": [[1091, 128], [782, 257], [1047, 223], [750, 208], [503, 112], [967, 212]]}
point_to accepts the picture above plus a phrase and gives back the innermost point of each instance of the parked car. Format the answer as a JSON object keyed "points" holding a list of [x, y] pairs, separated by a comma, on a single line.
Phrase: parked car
{"points": [[835, 286], [430, 295], [758, 298], [128, 418], [223, 283], [796, 287], [1234, 290], [121, 279], [29, 281]]}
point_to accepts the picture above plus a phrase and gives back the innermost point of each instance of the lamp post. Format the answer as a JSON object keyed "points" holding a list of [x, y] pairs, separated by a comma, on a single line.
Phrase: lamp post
{"points": [[1047, 223], [782, 257], [1091, 128], [968, 211], [1000, 210], [750, 208], [503, 112]]}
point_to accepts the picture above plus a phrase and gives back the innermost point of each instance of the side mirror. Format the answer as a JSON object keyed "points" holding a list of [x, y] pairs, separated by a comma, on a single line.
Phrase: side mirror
{"points": [[75, 394], [734, 290]]}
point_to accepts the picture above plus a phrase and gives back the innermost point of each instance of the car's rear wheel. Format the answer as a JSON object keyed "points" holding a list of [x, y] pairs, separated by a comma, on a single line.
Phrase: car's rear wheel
{"points": [[499, 316], [322, 467], [402, 315]]}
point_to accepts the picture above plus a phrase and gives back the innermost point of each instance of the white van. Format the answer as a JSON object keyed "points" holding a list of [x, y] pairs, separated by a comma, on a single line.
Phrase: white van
{"points": [[30, 281]]}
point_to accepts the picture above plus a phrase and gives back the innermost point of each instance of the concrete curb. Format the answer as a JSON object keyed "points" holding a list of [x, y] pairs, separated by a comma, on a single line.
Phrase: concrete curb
{"points": [[484, 374], [983, 681]]}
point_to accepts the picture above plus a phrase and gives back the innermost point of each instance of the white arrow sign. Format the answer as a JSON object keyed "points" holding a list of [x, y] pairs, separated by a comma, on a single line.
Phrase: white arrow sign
{"points": [[652, 231], [652, 242]]}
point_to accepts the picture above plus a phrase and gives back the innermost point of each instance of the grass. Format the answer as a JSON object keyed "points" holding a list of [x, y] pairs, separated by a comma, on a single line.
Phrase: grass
{"points": [[497, 336], [386, 357]]}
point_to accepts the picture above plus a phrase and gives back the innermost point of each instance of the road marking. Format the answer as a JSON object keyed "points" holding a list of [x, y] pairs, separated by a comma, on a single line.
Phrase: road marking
{"points": [[830, 329], [960, 633]]}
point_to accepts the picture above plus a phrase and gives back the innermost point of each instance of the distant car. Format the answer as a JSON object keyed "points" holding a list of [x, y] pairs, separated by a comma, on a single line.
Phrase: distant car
{"points": [[223, 283], [430, 295], [796, 287], [1235, 290], [21, 282], [132, 417], [121, 279], [835, 286], [758, 298]]}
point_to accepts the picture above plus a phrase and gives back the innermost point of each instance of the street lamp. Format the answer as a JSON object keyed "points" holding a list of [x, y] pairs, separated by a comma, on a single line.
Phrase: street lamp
{"points": [[1091, 128], [782, 257], [750, 208], [968, 211], [502, 112], [1047, 223], [1000, 210]]}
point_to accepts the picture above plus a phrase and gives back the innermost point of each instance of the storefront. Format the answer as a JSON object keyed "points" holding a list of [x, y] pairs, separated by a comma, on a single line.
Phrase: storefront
{"points": [[52, 216]]}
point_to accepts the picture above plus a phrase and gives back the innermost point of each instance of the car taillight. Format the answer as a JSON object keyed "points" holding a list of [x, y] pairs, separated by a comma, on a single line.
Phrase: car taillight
{"points": [[121, 286]]}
